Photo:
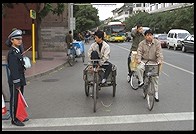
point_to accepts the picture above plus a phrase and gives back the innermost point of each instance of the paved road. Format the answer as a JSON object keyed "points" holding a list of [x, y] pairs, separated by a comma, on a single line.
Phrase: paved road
{"points": [[57, 101]]}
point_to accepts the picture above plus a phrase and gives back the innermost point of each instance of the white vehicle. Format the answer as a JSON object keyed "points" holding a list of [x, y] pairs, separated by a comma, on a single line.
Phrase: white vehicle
{"points": [[174, 38]]}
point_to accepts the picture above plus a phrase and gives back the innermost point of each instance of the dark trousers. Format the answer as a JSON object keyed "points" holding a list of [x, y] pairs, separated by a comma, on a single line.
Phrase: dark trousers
{"points": [[108, 67], [14, 100]]}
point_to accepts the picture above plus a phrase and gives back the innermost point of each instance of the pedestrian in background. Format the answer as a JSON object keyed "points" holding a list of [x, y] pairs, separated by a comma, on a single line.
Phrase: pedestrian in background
{"points": [[68, 41], [16, 77]]}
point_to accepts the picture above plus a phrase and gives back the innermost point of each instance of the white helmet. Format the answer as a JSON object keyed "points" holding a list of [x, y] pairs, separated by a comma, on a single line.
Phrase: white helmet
{"points": [[15, 34]]}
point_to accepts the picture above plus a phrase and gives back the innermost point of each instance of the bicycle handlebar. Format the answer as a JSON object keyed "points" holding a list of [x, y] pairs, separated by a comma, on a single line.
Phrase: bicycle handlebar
{"points": [[154, 62]]}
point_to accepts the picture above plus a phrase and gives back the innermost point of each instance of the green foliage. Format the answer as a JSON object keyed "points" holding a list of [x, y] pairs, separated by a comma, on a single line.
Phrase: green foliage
{"points": [[86, 17], [182, 18], [49, 8]]}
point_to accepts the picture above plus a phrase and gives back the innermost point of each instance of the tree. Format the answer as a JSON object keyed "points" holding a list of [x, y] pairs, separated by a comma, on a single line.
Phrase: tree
{"points": [[86, 17], [161, 22], [42, 10]]}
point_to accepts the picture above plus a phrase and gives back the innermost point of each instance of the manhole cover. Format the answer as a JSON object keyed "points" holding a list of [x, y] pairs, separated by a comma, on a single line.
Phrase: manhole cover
{"points": [[47, 58], [50, 80]]}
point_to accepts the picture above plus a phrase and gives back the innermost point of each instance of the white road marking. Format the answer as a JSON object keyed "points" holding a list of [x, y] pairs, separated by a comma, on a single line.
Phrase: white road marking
{"points": [[179, 68], [164, 62], [165, 73], [103, 120]]}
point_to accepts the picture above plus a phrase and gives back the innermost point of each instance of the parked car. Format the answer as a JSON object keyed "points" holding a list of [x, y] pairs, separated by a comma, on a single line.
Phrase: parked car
{"points": [[162, 38], [188, 43], [174, 38]]}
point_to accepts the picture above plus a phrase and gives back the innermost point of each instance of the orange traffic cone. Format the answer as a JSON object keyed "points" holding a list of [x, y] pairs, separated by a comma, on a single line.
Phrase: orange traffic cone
{"points": [[4, 110]]}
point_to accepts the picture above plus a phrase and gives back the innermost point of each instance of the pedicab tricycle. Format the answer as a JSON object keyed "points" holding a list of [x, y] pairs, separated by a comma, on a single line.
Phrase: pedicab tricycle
{"points": [[92, 75]]}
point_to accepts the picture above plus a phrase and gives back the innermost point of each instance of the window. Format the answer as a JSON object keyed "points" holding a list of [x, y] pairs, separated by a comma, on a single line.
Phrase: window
{"points": [[138, 5], [188, 38], [175, 35]]}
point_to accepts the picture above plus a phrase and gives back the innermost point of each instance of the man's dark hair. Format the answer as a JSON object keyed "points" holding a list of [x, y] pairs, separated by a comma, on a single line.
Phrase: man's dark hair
{"points": [[99, 34], [149, 31], [70, 32], [139, 25]]}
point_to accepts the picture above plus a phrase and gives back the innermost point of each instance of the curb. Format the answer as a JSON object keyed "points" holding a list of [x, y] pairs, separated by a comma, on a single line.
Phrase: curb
{"points": [[46, 72]]}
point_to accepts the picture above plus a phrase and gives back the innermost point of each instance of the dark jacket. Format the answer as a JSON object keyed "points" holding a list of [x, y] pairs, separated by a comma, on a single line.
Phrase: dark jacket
{"points": [[68, 40], [16, 67], [137, 38]]}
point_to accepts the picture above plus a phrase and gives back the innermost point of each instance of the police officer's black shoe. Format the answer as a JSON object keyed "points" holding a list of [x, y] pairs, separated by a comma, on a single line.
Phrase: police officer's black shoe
{"points": [[26, 119], [18, 123]]}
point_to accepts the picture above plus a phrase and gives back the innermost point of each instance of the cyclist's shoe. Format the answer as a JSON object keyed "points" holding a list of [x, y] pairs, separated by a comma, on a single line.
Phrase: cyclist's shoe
{"points": [[103, 81], [156, 97], [128, 78], [157, 100], [141, 84]]}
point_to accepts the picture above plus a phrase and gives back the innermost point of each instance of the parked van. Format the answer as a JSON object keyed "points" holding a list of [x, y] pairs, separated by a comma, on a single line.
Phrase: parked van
{"points": [[174, 38]]}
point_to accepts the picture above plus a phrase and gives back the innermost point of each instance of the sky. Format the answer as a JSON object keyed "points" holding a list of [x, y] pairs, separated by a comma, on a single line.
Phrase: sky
{"points": [[105, 10]]}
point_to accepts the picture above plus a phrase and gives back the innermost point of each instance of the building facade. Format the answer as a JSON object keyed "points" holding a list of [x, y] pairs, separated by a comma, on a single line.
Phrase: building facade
{"points": [[133, 8], [53, 27]]}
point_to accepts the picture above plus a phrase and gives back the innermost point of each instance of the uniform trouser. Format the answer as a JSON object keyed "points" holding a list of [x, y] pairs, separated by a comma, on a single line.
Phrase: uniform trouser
{"points": [[14, 99], [140, 72], [108, 68], [128, 62]]}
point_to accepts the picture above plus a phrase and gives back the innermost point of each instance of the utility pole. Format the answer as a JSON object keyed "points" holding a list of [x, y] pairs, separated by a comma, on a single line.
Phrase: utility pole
{"points": [[71, 19]]}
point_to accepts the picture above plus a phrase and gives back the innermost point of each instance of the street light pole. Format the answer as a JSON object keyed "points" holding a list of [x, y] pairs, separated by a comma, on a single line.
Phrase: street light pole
{"points": [[70, 16], [71, 20]]}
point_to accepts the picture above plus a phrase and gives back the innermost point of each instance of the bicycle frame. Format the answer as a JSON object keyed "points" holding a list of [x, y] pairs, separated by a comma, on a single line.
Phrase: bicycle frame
{"points": [[93, 79], [71, 55], [150, 72]]}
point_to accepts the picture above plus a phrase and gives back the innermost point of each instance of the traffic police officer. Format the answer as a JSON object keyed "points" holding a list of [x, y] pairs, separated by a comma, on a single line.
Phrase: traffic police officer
{"points": [[17, 77]]}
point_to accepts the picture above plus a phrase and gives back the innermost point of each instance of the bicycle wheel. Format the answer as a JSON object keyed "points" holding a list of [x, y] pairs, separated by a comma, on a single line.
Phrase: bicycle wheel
{"points": [[71, 59], [86, 88], [150, 96], [83, 57], [134, 81], [114, 85]]}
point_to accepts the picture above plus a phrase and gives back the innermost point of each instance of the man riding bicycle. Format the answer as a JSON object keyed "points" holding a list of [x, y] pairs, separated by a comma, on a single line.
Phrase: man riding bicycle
{"points": [[101, 50], [137, 36], [149, 49]]}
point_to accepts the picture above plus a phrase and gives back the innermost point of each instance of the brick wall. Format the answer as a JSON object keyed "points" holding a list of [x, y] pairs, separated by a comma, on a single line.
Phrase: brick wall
{"points": [[53, 27]]}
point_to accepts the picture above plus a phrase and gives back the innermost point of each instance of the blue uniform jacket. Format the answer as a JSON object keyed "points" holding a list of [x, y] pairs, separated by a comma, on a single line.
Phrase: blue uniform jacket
{"points": [[16, 67]]}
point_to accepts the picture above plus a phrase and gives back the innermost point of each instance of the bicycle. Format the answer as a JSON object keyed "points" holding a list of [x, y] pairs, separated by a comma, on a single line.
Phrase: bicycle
{"points": [[71, 55], [151, 71], [92, 78], [79, 49]]}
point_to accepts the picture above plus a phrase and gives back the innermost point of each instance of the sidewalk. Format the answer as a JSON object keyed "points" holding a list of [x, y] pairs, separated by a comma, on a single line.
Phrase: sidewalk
{"points": [[50, 62]]}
